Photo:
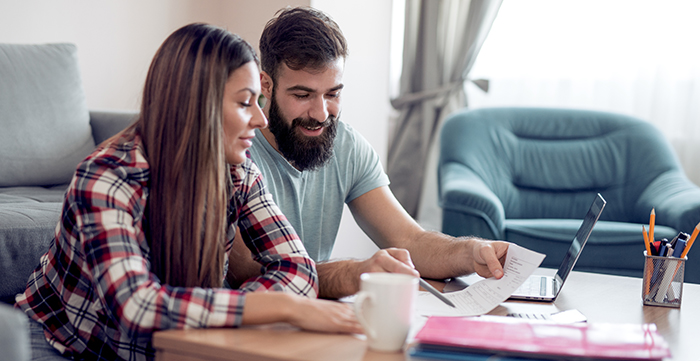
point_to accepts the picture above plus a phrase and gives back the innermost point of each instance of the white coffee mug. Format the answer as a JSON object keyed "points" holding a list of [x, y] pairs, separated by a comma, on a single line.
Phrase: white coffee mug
{"points": [[384, 307]]}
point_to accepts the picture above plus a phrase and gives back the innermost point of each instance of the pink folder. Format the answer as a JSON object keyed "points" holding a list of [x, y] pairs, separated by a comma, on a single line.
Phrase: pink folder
{"points": [[512, 336]]}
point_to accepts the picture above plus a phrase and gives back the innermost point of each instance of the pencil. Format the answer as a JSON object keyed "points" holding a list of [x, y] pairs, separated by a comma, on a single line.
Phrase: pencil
{"points": [[646, 241], [652, 220], [691, 240], [649, 267], [435, 292]]}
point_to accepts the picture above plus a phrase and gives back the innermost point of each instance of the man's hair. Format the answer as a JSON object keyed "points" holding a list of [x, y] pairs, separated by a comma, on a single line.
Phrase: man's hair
{"points": [[301, 38], [181, 129]]}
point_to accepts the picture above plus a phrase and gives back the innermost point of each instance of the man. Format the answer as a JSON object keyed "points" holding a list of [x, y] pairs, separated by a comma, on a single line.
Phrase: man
{"points": [[313, 164]]}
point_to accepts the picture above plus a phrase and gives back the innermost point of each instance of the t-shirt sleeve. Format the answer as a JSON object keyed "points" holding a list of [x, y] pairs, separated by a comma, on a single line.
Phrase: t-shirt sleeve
{"points": [[366, 169]]}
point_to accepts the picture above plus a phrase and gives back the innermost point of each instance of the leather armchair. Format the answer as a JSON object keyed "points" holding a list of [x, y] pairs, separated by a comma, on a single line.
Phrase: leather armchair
{"points": [[528, 176]]}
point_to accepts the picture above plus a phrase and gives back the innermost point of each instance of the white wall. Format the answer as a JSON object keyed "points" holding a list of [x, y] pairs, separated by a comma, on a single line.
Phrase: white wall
{"points": [[367, 26], [116, 40]]}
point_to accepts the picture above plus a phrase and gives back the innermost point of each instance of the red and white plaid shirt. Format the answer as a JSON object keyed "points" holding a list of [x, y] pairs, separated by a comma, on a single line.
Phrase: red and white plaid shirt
{"points": [[93, 290]]}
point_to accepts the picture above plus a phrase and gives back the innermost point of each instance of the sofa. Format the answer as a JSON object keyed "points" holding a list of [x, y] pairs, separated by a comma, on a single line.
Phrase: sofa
{"points": [[528, 176], [46, 129]]}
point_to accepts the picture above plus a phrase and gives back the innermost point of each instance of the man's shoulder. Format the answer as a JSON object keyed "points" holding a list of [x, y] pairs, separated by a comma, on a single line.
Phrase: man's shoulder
{"points": [[349, 139]]}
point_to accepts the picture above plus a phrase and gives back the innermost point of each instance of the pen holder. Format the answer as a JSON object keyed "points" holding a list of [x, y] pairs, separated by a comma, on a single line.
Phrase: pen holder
{"points": [[663, 280]]}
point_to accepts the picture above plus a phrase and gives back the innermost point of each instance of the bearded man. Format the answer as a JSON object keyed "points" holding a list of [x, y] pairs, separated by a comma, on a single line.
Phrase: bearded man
{"points": [[313, 163]]}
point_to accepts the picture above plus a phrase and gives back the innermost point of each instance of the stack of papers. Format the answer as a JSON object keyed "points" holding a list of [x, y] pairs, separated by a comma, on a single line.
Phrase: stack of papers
{"points": [[511, 339]]}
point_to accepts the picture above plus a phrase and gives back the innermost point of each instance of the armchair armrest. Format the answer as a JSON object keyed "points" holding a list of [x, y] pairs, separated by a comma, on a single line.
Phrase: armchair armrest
{"points": [[107, 123], [676, 200], [463, 191]]}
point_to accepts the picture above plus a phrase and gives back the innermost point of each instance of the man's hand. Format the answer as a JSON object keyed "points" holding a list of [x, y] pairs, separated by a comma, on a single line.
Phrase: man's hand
{"points": [[391, 260], [489, 257], [342, 278]]}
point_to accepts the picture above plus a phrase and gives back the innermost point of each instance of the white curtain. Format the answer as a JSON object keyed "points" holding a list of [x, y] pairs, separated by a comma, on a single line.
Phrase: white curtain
{"points": [[638, 58], [634, 57], [441, 41]]}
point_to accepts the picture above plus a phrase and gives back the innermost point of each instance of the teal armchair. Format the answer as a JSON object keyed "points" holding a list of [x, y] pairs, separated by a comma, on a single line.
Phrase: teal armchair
{"points": [[528, 176]]}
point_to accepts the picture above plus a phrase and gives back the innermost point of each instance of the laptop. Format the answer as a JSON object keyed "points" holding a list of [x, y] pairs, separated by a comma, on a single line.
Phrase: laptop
{"points": [[546, 288]]}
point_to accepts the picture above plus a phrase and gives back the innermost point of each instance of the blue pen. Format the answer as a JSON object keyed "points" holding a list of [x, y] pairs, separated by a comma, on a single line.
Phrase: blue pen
{"points": [[680, 246], [663, 248]]}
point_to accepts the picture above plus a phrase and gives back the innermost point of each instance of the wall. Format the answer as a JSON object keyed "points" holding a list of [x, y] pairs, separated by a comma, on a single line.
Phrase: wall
{"points": [[116, 40], [367, 26]]}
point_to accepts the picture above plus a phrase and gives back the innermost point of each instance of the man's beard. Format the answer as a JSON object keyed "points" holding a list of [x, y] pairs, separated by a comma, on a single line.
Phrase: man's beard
{"points": [[302, 151]]}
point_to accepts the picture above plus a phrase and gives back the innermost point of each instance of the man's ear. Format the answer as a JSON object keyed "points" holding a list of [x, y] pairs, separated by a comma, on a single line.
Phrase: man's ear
{"points": [[266, 84]]}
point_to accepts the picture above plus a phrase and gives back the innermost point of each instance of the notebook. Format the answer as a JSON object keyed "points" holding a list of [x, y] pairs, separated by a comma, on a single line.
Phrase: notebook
{"points": [[546, 288], [512, 338]]}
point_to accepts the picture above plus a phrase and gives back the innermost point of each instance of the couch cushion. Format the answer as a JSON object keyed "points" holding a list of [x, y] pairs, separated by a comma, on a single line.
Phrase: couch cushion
{"points": [[29, 217], [43, 115]]}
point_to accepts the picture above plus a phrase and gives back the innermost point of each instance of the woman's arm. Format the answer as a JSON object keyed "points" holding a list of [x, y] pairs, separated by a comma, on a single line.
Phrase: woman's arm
{"points": [[104, 254], [103, 220], [305, 313], [270, 237]]}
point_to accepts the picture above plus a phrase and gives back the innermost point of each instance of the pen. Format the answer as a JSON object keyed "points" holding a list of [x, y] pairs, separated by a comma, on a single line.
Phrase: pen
{"points": [[435, 292], [681, 235], [656, 246], [691, 240], [663, 248], [680, 247]]}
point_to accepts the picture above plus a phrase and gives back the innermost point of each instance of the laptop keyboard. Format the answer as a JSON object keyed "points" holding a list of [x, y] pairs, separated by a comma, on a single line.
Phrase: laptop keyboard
{"points": [[532, 286], [531, 316]]}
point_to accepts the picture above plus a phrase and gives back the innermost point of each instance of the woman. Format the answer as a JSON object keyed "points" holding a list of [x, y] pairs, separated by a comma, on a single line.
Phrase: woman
{"points": [[149, 218]]}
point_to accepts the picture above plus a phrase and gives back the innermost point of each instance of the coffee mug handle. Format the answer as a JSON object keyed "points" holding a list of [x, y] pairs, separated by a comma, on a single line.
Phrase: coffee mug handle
{"points": [[363, 297]]}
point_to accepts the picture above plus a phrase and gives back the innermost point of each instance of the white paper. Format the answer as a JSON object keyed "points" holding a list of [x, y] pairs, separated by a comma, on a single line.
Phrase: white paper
{"points": [[485, 295]]}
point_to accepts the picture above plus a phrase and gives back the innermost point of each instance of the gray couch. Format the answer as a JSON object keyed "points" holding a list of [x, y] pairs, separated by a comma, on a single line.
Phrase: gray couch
{"points": [[45, 131]]}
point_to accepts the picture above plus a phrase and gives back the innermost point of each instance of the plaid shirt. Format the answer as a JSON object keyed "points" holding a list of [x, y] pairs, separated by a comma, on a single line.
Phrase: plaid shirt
{"points": [[93, 289]]}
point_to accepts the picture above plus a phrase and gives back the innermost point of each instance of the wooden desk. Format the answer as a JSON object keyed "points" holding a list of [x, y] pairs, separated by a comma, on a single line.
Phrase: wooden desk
{"points": [[601, 298]]}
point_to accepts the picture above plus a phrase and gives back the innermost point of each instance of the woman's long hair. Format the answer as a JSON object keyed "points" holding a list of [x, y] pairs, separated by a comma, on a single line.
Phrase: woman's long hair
{"points": [[181, 128]]}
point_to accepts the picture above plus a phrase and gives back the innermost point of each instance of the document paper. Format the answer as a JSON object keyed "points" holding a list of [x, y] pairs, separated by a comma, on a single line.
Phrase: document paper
{"points": [[485, 295]]}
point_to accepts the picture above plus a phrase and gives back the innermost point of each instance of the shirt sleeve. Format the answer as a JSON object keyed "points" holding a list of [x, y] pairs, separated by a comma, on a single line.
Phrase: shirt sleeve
{"points": [[270, 237], [104, 219], [365, 169]]}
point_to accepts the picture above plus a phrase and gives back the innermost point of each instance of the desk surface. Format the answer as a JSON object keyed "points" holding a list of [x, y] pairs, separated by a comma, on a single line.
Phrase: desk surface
{"points": [[602, 298]]}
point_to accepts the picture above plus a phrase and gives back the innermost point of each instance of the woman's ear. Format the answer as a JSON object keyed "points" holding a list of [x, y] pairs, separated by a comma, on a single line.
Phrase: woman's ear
{"points": [[266, 84]]}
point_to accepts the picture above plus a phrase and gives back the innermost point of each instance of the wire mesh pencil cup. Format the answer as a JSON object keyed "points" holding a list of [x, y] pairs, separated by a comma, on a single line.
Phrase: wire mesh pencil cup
{"points": [[663, 280]]}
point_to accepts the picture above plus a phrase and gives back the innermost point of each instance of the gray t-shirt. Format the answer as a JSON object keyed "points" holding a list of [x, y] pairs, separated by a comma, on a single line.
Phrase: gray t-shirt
{"points": [[313, 200]]}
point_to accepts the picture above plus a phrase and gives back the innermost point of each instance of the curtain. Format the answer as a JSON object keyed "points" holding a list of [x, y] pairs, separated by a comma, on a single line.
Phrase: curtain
{"points": [[442, 39], [637, 60]]}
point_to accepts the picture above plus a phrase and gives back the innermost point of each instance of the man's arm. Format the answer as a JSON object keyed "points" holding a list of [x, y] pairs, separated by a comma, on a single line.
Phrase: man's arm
{"points": [[338, 279], [434, 254], [241, 265]]}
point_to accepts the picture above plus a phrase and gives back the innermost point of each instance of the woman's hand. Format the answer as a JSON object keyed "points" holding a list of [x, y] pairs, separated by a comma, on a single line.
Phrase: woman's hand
{"points": [[307, 313], [324, 316]]}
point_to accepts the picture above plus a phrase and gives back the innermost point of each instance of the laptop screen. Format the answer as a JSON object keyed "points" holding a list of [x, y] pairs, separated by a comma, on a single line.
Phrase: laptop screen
{"points": [[579, 241]]}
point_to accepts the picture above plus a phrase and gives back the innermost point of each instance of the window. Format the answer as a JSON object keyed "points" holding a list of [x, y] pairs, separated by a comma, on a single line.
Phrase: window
{"points": [[638, 58]]}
